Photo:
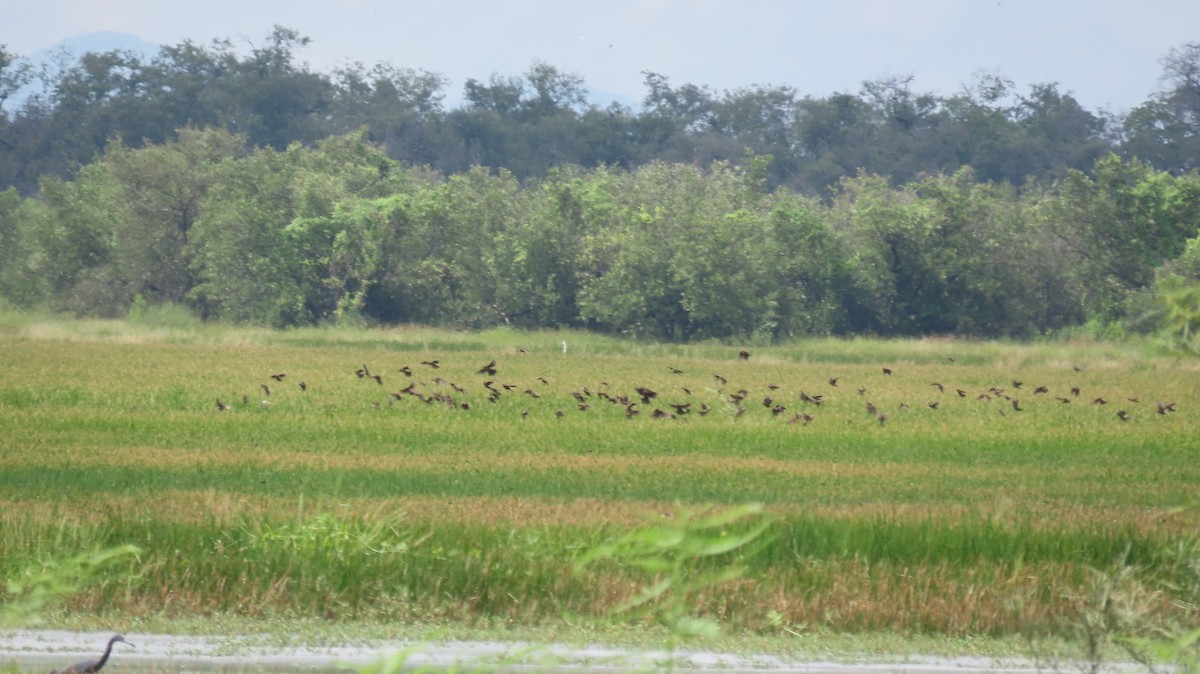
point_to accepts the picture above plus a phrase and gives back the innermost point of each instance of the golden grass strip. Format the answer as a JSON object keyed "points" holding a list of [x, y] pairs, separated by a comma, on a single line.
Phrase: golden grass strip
{"points": [[169, 458], [517, 512]]}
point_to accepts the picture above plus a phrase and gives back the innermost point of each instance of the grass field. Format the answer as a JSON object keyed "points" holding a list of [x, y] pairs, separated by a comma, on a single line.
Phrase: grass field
{"points": [[975, 513]]}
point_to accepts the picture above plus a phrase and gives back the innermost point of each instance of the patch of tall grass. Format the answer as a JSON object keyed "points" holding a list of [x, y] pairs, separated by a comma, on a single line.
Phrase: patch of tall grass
{"points": [[327, 561]]}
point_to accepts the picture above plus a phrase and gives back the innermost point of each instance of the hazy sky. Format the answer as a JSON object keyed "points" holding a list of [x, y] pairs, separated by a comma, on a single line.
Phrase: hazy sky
{"points": [[1105, 52]]}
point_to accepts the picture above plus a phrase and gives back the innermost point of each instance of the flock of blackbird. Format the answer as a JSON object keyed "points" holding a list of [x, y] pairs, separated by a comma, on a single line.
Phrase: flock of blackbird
{"points": [[679, 402]]}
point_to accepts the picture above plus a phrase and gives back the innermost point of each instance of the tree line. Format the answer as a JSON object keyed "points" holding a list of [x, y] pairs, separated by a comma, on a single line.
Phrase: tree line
{"points": [[253, 190], [338, 231], [543, 119]]}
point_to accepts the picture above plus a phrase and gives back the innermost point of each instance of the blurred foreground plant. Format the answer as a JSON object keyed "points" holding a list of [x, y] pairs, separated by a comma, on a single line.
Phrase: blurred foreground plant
{"points": [[32, 590], [1177, 647], [678, 555]]}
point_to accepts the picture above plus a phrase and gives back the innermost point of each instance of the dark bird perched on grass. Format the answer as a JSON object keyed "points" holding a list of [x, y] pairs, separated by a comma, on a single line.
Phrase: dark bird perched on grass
{"points": [[531, 393], [406, 371], [744, 355], [1163, 408], [871, 409], [674, 370], [221, 407], [887, 370], [1099, 401], [961, 393], [1122, 415], [1041, 389], [279, 377], [1017, 384], [720, 380], [882, 419], [303, 386], [1075, 391], [833, 381], [91, 666], [435, 364], [378, 379], [489, 369]]}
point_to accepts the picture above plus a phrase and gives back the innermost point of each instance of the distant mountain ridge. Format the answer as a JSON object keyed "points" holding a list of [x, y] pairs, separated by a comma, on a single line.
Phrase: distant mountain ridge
{"points": [[101, 41], [65, 53]]}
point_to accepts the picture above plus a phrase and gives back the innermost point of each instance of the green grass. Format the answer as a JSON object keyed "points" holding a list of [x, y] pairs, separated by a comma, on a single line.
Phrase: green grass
{"points": [[344, 503]]}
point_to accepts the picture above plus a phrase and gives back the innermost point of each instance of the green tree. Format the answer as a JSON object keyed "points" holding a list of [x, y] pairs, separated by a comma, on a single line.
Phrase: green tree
{"points": [[684, 255], [1119, 225], [71, 241], [400, 108], [241, 271], [280, 236], [1165, 130], [832, 139], [162, 188], [944, 255], [809, 267], [11, 245]]}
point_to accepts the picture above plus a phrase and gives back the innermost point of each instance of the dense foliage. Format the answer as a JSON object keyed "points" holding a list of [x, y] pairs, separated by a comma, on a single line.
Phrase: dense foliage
{"points": [[251, 189]]}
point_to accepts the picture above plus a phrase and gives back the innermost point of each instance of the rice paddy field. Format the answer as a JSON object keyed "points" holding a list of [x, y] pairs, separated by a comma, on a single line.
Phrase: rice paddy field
{"points": [[978, 490]]}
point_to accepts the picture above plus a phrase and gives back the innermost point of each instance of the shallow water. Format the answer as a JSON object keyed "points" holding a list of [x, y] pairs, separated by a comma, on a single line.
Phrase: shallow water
{"points": [[43, 651]]}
